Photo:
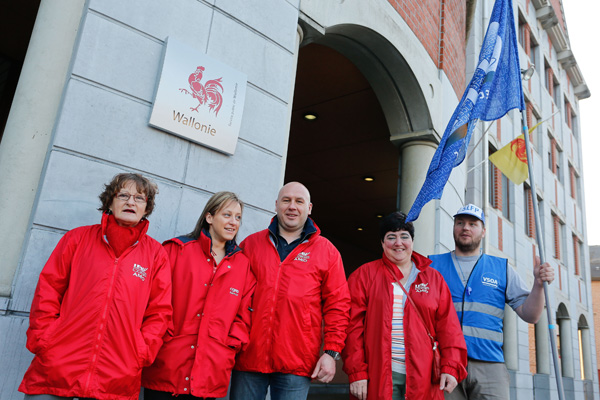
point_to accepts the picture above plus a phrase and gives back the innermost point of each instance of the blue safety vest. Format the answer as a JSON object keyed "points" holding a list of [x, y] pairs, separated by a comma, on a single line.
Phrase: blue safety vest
{"points": [[480, 305]]}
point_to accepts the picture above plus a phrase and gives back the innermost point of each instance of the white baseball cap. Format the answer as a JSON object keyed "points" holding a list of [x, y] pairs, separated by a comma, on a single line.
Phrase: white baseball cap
{"points": [[471, 209]]}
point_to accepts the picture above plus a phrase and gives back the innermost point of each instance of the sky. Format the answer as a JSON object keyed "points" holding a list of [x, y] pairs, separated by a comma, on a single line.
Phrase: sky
{"points": [[582, 20]]}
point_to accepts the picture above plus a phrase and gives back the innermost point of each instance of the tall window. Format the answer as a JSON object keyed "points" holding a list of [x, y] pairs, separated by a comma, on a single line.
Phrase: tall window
{"points": [[523, 33], [499, 189], [534, 51], [555, 159], [556, 93], [549, 81], [568, 114]]}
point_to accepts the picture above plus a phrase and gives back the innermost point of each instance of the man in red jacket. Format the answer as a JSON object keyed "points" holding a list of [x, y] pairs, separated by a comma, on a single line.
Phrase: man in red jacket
{"points": [[300, 283]]}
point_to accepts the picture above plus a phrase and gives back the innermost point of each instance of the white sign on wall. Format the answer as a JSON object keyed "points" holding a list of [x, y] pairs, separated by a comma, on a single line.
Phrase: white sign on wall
{"points": [[199, 98]]}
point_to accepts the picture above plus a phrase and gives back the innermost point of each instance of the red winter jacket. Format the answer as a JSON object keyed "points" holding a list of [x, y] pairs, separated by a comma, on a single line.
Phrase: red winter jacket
{"points": [[368, 347], [211, 319], [96, 319], [291, 301]]}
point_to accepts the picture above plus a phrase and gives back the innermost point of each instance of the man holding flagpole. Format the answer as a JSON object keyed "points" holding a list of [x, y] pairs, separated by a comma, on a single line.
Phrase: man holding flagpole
{"points": [[495, 89], [480, 285]]}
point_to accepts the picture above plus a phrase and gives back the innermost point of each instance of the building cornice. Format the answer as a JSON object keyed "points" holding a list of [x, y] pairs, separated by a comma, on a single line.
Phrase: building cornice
{"points": [[547, 17]]}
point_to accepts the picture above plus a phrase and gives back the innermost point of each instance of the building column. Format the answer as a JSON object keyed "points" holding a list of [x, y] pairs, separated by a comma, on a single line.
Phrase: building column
{"points": [[415, 157], [586, 353], [542, 345], [511, 343], [30, 124], [566, 346]]}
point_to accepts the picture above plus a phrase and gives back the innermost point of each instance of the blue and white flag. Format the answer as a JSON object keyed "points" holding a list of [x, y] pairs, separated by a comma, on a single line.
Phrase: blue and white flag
{"points": [[494, 90]]}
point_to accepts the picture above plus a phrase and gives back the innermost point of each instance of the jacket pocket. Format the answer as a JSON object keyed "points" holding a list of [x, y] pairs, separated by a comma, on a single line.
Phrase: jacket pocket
{"points": [[47, 338], [306, 317], [218, 331], [141, 349]]}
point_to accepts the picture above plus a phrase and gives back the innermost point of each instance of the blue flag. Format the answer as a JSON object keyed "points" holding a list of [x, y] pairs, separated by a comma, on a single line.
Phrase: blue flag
{"points": [[494, 90]]}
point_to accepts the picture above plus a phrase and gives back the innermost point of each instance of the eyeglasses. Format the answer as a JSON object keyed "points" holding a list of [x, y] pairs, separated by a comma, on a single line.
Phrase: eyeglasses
{"points": [[138, 198]]}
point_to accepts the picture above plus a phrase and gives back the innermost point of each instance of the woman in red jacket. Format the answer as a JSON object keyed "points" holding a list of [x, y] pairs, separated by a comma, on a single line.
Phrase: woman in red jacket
{"points": [[388, 354], [212, 291], [102, 302]]}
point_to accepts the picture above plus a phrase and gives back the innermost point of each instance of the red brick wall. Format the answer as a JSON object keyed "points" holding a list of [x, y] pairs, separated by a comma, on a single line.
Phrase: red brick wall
{"points": [[454, 45], [557, 233], [576, 255], [443, 38], [532, 349], [499, 129], [550, 78], [573, 180], [500, 237], [497, 188], [530, 215], [527, 39]]}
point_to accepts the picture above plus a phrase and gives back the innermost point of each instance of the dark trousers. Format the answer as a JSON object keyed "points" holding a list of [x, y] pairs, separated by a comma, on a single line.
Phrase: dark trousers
{"points": [[150, 394]]}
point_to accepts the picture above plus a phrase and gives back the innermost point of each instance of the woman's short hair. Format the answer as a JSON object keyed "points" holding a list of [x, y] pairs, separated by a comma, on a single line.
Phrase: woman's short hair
{"points": [[214, 205], [119, 181], [395, 222]]}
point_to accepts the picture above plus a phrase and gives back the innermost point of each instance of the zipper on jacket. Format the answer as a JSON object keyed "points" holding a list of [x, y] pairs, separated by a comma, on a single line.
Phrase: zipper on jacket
{"points": [[275, 290], [102, 326], [462, 314], [272, 311]]}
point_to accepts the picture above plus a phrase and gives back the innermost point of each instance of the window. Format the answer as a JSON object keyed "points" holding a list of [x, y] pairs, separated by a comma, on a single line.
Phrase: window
{"points": [[499, 189], [534, 51], [523, 34], [549, 78], [568, 114], [555, 158], [556, 93]]}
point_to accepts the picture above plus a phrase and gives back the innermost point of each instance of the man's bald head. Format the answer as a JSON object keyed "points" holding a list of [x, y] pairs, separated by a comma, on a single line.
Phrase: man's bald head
{"points": [[293, 207]]}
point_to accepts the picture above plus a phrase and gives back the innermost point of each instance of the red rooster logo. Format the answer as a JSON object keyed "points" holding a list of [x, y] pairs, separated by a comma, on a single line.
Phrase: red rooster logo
{"points": [[210, 93], [517, 146]]}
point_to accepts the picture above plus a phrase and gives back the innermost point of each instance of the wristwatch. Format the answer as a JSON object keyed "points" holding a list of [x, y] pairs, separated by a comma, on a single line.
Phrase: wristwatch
{"points": [[334, 354]]}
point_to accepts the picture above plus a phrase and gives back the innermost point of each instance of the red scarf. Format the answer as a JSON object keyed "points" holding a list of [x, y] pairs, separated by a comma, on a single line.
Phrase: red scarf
{"points": [[120, 237]]}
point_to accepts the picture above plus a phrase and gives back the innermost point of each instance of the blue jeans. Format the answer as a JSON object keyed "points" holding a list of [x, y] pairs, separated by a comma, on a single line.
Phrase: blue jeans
{"points": [[254, 385]]}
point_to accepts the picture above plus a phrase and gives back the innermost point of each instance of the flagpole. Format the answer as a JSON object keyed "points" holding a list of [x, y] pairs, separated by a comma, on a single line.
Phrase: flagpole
{"points": [[540, 240]]}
